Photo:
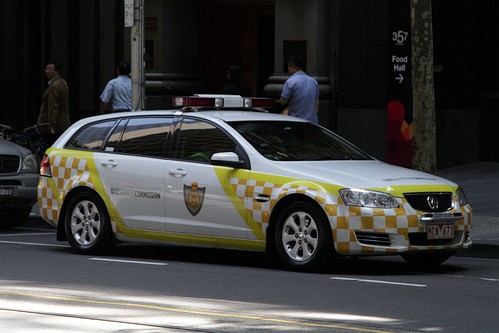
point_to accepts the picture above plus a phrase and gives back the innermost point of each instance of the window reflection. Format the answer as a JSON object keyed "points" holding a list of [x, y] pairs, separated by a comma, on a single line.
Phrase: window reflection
{"points": [[145, 136], [91, 137], [199, 140]]}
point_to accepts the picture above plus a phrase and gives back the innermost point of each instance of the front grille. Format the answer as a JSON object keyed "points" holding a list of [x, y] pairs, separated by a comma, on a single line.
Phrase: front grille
{"points": [[9, 163], [373, 238], [419, 201]]}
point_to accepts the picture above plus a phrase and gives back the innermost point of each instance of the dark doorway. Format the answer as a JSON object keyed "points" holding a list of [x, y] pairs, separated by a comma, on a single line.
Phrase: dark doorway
{"points": [[237, 32]]}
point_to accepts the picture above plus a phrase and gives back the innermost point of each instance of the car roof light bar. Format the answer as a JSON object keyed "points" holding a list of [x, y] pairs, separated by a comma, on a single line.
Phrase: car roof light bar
{"points": [[183, 101], [228, 101]]}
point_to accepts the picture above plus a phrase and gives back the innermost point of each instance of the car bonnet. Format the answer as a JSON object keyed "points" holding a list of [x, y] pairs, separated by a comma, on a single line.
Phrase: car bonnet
{"points": [[10, 148], [370, 174]]}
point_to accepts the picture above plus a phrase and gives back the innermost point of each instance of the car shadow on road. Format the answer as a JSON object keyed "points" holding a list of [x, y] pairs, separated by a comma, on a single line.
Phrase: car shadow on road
{"points": [[365, 266]]}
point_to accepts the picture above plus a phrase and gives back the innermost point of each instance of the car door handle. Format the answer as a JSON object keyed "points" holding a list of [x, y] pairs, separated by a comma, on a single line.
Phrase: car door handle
{"points": [[262, 198], [177, 172], [109, 164]]}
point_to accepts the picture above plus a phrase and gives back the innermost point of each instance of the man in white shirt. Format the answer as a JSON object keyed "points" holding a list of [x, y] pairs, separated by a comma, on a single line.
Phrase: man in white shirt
{"points": [[119, 90], [300, 92]]}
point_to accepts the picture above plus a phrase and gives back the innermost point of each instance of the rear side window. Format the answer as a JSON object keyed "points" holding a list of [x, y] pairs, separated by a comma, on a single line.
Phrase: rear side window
{"points": [[143, 136], [92, 136]]}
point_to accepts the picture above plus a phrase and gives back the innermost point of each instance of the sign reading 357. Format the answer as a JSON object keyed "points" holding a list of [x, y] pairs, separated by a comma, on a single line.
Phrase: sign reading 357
{"points": [[399, 37]]}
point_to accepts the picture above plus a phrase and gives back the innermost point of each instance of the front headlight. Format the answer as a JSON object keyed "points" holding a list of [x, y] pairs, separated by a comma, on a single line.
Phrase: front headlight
{"points": [[364, 198], [29, 164], [461, 197]]}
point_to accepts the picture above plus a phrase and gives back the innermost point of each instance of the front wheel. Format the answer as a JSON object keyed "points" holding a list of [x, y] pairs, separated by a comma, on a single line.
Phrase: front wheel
{"points": [[87, 224], [303, 237]]}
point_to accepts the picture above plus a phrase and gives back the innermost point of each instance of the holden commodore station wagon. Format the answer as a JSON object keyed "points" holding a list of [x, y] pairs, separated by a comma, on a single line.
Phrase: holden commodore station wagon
{"points": [[216, 172]]}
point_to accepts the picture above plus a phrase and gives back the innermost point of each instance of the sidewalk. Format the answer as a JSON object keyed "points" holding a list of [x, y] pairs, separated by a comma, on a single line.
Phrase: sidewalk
{"points": [[480, 182]]}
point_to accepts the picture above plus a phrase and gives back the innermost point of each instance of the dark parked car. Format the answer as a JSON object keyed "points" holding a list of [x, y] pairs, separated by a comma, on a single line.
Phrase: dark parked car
{"points": [[19, 176]]}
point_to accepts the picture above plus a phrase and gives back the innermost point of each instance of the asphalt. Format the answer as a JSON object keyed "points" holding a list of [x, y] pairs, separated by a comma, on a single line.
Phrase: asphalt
{"points": [[480, 182]]}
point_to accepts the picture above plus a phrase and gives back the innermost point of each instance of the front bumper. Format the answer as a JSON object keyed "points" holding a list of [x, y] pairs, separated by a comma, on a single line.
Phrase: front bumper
{"points": [[361, 231]]}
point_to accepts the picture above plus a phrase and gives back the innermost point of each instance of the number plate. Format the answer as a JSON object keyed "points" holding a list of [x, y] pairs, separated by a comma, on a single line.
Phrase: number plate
{"points": [[440, 231], [6, 191]]}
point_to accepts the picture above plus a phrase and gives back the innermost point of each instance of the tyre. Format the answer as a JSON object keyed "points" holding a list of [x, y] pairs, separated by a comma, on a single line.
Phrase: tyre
{"points": [[12, 218], [426, 259], [87, 224], [303, 239]]}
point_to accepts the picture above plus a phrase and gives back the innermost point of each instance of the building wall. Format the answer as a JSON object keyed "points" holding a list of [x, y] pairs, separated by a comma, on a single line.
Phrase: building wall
{"points": [[194, 41], [20, 61], [362, 89], [465, 49]]}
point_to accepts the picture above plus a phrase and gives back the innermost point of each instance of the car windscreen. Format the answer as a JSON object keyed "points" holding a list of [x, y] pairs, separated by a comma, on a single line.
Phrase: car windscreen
{"points": [[297, 141]]}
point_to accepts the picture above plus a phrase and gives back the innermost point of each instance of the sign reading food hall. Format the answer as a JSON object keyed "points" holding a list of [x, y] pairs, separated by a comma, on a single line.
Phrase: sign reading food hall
{"points": [[399, 106]]}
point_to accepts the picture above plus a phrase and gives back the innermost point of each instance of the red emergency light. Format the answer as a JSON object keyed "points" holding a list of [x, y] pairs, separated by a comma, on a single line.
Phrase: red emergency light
{"points": [[259, 102]]}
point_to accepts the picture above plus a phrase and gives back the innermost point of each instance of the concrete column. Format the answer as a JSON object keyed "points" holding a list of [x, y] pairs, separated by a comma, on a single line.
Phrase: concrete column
{"points": [[304, 28]]}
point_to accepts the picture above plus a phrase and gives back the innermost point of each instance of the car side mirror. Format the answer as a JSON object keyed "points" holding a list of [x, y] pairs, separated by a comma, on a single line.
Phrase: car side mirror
{"points": [[228, 159]]}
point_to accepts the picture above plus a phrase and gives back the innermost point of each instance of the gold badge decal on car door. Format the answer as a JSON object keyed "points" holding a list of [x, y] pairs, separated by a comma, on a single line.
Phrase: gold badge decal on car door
{"points": [[194, 197]]}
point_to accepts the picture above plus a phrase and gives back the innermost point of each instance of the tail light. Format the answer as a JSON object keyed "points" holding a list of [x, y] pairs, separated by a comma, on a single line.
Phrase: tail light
{"points": [[45, 167]]}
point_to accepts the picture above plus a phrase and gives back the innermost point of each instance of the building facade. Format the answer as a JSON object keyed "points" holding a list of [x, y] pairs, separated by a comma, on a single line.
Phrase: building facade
{"points": [[189, 44]]}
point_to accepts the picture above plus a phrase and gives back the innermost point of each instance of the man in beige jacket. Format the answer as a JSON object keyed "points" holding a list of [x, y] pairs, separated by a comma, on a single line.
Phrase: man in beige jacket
{"points": [[55, 105]]}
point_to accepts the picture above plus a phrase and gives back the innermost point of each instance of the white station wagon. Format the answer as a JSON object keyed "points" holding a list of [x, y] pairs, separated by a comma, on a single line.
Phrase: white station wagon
{"points": [[225, 176]]}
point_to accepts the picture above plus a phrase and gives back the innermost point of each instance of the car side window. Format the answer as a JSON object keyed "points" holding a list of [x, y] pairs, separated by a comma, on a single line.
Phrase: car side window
{"points": [[199, 140], [115, 137], [91, 137], [143, 136]]}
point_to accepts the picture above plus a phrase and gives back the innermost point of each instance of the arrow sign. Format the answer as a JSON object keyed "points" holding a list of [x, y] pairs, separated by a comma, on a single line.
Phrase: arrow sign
{"points": [[399, 78]]}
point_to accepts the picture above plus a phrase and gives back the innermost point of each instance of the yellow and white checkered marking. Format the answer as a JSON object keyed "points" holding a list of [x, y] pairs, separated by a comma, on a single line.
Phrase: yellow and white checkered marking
{"points": [[70, 172], [67, 173], [247, 190], [344, 220]]}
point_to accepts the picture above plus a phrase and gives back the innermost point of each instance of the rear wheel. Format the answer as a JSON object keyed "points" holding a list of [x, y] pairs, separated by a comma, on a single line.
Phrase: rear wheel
{"points": [[303, 237], [426, 259], [87, 224]]}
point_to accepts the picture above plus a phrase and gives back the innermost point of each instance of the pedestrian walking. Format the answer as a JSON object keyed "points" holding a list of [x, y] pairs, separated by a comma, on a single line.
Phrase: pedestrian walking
{"points": [[54, 110]]}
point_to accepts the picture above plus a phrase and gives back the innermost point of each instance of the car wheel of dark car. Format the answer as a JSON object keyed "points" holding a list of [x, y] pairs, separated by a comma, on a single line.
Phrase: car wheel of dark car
{"points": [[426, 259], [303, 237], [13, 218], [87, 224]]}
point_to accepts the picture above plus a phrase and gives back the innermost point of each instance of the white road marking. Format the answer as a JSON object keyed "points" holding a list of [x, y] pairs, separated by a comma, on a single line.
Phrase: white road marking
{"points": [[380, 282], [36, 244], [130, 261], [489, 279], [30, 234]]}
